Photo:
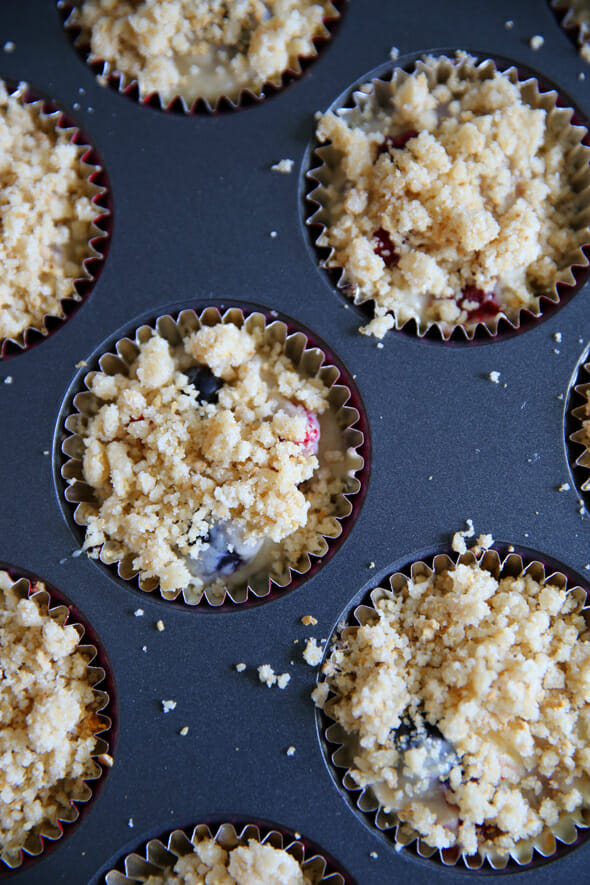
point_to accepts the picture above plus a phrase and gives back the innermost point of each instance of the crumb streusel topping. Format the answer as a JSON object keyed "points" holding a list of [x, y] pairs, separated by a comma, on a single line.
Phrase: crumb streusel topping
{"points": [[251, 864], [47, 715], [46, 216], [448, 203], [468, 701], [206, 48], [199, 474]]}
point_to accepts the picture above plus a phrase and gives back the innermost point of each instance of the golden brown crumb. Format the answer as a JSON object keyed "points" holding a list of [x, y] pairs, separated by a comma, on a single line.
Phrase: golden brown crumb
{"points": [[309, 620]]}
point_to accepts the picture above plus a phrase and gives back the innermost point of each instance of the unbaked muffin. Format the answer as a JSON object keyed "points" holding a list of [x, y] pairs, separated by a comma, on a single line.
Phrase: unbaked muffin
{"points": [[202, 48], [451, 196], [49, 714], [462, 700], [46, 215], [214, 458]]}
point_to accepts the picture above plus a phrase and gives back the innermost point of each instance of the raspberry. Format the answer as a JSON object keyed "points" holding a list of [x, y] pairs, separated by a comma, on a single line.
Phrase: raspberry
{"points": [[385, 248], [487, 306]]}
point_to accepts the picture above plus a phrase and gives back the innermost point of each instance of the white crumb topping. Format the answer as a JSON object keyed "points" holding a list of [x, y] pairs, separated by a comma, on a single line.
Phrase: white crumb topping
{"points": [[47, 711], [45, 216], [458, 543], [312, 653], [283, 680], [267, 675], [251, 864], [203, 48], [284, 166], [447, 202], [494, 377], [502, 670]]}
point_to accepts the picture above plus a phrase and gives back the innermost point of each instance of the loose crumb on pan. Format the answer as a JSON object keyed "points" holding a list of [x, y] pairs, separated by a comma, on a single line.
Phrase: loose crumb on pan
{"points": [[458, 543], [49, 719], [197, 49], [312, 653], [251, 864], [564, 487], [284, 166], [130, 823], [138, 613], [536, 42], [183, 731], [494, 377], [9, 46], [447, 202], [46, 216], [290, 751], [240, 667], [160, 626], [309, 620], [492, 679], [268, 677], [509, 24], [167, 706]]}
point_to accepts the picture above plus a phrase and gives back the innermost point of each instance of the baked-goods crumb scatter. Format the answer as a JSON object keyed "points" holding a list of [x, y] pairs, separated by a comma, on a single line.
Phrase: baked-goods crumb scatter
{"points": [[458, 543], [268, 677], [9, 46], [160, 626], [252, 864], [202, 49], [240, 667], [557, 336], [290, 751], [183, 731], [130, 823], [167, 706], [494, 377], [48, 714], [46, 216], [309, 620], [8, 379], [564, 487], [509, 24], [139, 612], [284, 166], [489, 679], [312, 653], [536, 42]]}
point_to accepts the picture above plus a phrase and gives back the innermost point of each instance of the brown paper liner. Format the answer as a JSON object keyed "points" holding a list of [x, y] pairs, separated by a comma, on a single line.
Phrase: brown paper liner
{"points": [[50, 117], [242, 97], [376, 93], [310, 362], [159, 859], [552, 840], [81, 793]]}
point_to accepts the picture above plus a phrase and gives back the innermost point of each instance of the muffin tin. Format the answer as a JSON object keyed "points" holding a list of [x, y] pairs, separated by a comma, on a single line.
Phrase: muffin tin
{"points": [[195, 209]]}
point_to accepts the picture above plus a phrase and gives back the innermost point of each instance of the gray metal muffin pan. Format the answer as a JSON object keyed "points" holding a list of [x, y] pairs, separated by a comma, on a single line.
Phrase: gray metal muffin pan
{"points": [[194, 202]]}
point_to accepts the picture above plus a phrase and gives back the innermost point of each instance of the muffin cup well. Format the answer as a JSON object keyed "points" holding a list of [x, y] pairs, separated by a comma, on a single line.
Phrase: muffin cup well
{"points": [[279, 571], [340, 746], [360, 103], [81, 792], [159, 859], [193, 103], [52, 120]]}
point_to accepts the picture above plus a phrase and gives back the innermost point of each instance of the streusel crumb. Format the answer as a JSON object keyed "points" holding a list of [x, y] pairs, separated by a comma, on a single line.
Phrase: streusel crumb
{"points": [[491, 680], [206, 48]]}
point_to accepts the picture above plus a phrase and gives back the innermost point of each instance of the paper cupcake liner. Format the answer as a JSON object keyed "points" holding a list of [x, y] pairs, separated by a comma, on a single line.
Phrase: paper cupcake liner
{"points": [[339, 747], [310, 362], [159, 858], [242, 97], [574, 16], [79, 793], [374, 93], [578, 431], [51, 117]]}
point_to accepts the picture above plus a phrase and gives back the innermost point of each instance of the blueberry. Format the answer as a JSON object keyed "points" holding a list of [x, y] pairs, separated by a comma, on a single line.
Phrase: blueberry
{"points": [[217, 558], [228, 563], [203, 379]]}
